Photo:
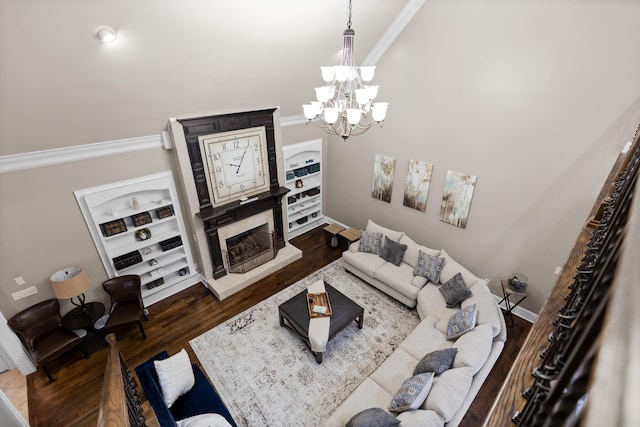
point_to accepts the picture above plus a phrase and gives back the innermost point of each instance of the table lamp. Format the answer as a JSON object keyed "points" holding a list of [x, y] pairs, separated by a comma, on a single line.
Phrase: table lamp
{"points": [[70, 282]]}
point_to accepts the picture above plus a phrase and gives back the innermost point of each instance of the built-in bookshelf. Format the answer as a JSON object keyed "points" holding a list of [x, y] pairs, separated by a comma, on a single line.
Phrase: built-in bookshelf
{"points": [[303, 176], [137, 227]]}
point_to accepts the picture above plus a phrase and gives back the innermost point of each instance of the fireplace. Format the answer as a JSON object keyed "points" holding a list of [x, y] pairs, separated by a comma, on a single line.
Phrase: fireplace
{"points": [[250, 249], [214, 223]]}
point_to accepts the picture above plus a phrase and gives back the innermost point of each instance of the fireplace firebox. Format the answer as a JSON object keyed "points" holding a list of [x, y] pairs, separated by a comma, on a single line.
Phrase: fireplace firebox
{"points": [[250, 249]]}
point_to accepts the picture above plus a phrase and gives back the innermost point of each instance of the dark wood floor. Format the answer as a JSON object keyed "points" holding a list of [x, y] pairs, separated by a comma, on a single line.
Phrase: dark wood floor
{"points": [[73, 398]]}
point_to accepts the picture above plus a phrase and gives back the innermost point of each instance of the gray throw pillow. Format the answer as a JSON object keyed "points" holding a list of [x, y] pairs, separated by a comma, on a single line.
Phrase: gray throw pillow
{"points": [[437, 361], [392, 251], [462, 322], [429, 266], [455, 291], [370, 242], [412, 393], [373, 417]]}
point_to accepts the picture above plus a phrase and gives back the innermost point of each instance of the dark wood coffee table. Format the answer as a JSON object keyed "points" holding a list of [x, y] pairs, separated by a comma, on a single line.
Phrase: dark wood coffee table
{"points": [[295, 315]]}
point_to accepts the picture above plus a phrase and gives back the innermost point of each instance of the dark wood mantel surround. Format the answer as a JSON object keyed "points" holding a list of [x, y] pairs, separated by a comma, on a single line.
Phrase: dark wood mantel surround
{"points": [[216, 217]]}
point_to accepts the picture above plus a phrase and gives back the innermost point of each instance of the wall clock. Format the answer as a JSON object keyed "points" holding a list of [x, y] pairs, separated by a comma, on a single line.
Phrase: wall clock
{"points": [[236, 164]]}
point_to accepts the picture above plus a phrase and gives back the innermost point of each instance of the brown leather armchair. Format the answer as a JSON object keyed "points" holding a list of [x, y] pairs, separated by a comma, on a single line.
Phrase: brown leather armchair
{"points": [[126, 303], [40, 330]]}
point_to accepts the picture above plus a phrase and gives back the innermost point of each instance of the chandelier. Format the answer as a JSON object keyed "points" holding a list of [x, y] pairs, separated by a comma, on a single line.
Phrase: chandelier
{"points": [[343, 104]]}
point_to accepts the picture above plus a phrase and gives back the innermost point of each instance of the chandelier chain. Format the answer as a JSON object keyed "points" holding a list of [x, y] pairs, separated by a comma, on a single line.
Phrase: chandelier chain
{"points": [[349, 21]]}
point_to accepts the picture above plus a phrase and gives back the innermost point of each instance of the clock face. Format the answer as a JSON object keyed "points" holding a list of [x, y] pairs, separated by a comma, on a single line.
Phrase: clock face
{"points": [[236, 163]]}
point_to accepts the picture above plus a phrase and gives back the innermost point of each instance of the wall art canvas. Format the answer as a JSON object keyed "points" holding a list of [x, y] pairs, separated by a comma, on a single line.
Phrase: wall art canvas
{"points": [[456, 198], [383, 170], [417, 185]]}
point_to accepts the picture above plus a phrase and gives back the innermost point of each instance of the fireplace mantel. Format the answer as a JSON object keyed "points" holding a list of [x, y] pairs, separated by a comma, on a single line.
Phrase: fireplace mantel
{"points": [[214, 218]]}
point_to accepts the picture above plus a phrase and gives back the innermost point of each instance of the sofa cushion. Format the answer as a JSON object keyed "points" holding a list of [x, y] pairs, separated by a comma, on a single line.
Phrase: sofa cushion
{"points": [[455, 290], [420, 418], [451, 267], [474, 348], [448, 391], [393, 235], [431, 302], [175, 376], [370, 242], [424, 339], [418, 281], [412, 393], [413, 250], [373, 417], [399, 278], [204, 420], [363, 261], [367, 395], [437, 361], [428, 266], [392, 251], [394, 370], [488, 310], [462, 322]]}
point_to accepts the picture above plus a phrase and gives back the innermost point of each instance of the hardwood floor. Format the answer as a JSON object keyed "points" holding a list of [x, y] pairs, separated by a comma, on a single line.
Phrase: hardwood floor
{"points": [[73, 398]]}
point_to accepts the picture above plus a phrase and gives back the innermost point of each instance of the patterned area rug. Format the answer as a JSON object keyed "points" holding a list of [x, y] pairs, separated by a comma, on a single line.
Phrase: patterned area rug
{"points": [[267, 376]]}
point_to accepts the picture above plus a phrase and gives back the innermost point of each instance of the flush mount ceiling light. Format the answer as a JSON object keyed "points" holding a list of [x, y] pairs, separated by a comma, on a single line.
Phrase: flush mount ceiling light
{"points": [[346, 99], [105, 34]]}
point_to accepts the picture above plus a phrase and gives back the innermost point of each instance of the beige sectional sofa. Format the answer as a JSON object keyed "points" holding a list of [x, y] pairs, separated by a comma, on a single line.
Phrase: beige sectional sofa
{"points": [[452, 392]]}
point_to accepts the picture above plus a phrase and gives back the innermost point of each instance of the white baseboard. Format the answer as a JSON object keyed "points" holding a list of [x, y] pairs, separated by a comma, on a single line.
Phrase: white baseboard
{"points": [[519, 311]]}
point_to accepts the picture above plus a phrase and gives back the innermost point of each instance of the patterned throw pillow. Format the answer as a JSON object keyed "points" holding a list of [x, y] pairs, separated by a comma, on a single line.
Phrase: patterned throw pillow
{"points": [[373, 417], [462, 322], [392, 251], [455, 291], [429, 266], [437, 361], [413, 393], [370, 242]]}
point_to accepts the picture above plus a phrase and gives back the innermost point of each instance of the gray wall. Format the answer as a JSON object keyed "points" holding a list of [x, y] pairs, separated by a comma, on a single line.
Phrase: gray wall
{"points": [[535, 98], [43, 229]]}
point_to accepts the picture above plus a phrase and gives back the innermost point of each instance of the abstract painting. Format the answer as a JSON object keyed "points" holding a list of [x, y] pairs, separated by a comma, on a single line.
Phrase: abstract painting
{"points": [[417, 185], [383, 170], [456, 198]]}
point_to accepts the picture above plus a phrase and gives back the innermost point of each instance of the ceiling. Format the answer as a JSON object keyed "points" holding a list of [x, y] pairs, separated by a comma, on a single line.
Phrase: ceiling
{"points": [[59, 86]]}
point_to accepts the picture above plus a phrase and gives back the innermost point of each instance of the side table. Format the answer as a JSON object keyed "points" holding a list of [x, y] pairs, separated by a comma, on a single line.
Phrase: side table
{"points": [[507, 292], [347, 237], [330, 234], [84, 317]]}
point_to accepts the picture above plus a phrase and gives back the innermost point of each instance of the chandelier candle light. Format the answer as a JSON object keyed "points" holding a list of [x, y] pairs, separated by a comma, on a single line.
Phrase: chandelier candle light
{"points": [[344, 103]]}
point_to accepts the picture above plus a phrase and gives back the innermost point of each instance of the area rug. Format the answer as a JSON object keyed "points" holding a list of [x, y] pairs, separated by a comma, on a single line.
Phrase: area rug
{"points": [[267, 376]]}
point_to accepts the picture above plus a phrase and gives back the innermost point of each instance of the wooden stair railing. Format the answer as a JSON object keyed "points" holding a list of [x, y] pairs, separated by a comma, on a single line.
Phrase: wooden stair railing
{"points": [[579, 365], [120, 403]]}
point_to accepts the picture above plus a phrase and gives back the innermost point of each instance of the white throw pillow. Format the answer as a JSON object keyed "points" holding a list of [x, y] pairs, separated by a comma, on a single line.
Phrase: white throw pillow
{"points": [[204, 420], [175, 375]]}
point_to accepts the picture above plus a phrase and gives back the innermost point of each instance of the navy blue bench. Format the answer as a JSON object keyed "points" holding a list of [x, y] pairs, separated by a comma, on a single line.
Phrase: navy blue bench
{"points": [[201, 399]]}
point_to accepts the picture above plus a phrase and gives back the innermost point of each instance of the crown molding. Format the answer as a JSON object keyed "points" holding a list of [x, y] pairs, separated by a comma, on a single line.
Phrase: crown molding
{"points": [[35, 159], [16, 162], [397, 26]]}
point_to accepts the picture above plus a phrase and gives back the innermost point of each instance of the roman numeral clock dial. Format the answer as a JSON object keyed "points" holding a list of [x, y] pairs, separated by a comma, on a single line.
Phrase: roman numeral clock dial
{"points": [[236, 163]]}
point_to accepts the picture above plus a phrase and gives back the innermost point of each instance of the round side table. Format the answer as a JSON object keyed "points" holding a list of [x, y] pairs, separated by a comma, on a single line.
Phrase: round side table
{"points": [[84, 317]]}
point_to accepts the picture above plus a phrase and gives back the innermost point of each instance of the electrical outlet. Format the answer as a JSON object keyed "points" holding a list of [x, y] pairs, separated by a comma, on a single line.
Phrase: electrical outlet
{"points": [[558, 270], [24, 293], [19, 281]]}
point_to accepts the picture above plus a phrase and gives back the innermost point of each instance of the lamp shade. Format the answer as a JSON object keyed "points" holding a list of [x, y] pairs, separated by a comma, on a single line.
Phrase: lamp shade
{"points": [[69, 282]]}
